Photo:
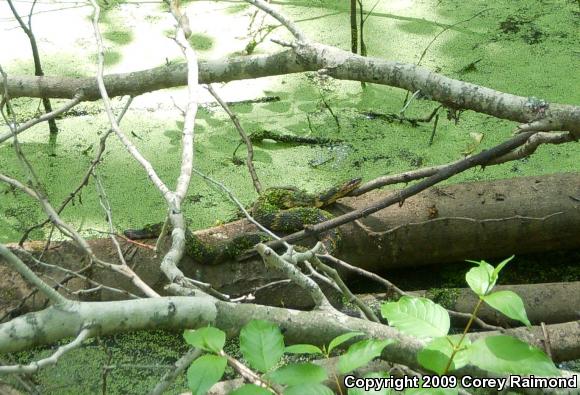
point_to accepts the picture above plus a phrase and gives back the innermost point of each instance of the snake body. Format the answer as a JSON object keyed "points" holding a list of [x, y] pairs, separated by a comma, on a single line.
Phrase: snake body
{"points": [[280, 209]]}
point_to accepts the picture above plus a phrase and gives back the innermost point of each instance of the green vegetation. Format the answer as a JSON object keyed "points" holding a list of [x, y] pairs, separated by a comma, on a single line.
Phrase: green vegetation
{"points": [[262, 346], [522, 47], [129, 373], [371, 147], [201, 42]]}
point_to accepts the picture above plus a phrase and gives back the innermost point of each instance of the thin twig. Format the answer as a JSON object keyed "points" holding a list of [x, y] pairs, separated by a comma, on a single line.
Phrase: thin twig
{"points": [[243, 135], [53, 359], [30, 276], [291, 26], [85, 179], [178, 367], [443, 173], [440, 33], [36, 57], [77, 98]]}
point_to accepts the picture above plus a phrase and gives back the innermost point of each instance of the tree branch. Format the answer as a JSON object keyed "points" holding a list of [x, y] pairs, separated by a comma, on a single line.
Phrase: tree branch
{"points": [[30, 276]]}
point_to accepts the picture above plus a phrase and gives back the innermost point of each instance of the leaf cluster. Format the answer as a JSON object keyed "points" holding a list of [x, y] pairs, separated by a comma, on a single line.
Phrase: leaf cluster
{"points": [[262, 346]]}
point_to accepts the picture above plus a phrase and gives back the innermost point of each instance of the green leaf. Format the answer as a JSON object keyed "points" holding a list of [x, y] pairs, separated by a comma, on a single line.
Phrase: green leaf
{"points": [[337, 341], [204, 372], [262, 344], [501, 266], [508, 355], [208, 339], [361, 391], [250, 389], [435, 355], [419, 317], [308, 389], [479, 278], [303, 349], [302, 373], [361, 353], [509, 304]]}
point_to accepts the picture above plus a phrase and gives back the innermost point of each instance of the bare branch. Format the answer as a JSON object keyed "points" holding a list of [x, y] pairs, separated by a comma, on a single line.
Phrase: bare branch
{"points": [[399, 197], [287, 264], [52, 360], [86, 177], [243, 135], [30, 276], [291, 26], [240, 206], [532, 144], [178, 367], [108, 109], [77, 98]]}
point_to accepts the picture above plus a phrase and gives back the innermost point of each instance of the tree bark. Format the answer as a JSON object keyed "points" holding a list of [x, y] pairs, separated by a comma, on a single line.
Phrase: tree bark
{"points": [[312, 57], [314, 327], [471, 220], [466, 221], [548, 302]]}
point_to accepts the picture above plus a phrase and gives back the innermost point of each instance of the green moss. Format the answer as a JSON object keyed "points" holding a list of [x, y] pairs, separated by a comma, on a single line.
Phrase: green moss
{"points": [[244, 242], [201, 42], [446, 297], [111, 57], [121, 37]]}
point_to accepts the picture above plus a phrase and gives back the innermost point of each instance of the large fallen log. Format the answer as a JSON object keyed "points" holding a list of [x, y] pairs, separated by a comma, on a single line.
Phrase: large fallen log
{"points": [[467, 221], [451, 223]]}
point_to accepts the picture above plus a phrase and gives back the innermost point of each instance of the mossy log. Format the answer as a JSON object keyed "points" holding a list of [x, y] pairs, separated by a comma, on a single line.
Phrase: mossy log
{"points": [[447, 223]]}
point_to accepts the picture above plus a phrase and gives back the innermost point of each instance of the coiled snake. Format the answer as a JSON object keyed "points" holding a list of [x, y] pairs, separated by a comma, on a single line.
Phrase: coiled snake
{"points": [[280, 209]]}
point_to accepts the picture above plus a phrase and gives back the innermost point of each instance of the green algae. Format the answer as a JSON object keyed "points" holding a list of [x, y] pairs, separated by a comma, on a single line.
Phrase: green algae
{"points": [[152, 354], [526, 48], [372, 147]]}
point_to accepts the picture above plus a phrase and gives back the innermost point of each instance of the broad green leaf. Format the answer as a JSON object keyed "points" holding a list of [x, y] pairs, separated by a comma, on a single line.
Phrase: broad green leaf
{"points": [[435, 355], [302, 373], [308, 389], [501, 266], [479, 278], [509, 304], [361, 353], [419, 317], [208, 339], [250, 389], [204, 372], [262, 344], [337, 341], [362, 391], [508, 355], [303, 349]]}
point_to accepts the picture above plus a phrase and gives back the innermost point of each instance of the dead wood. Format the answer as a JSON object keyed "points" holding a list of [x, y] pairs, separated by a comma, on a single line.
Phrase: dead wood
{"points": [[548, 303], [466, 221], [451, 223]]}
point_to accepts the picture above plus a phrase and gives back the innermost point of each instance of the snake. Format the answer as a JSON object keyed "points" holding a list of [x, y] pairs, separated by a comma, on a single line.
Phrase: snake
{"points": [[280, 209]]}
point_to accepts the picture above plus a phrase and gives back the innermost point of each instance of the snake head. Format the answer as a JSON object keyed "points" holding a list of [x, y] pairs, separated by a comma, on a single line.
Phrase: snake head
{"points": [[337, 192]]}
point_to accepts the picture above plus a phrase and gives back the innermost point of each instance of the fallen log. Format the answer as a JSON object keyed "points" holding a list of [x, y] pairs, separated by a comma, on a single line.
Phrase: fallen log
{"points": [[545, 303], [466, 221], [450, 223]]}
